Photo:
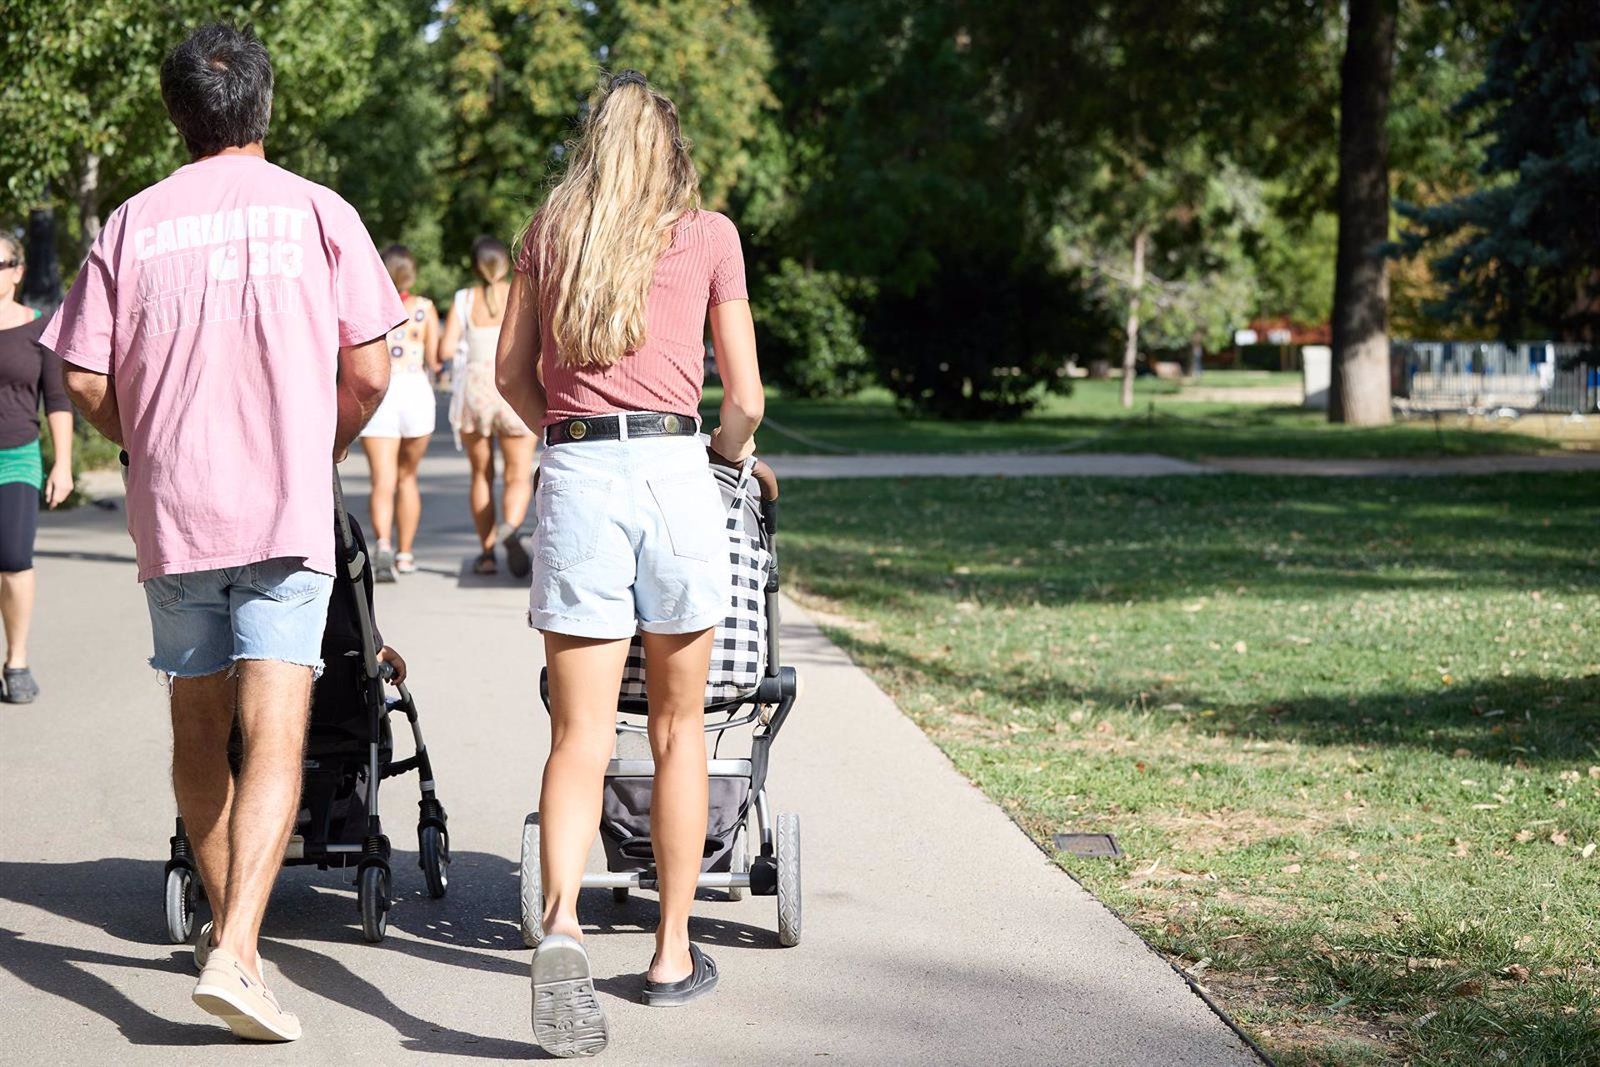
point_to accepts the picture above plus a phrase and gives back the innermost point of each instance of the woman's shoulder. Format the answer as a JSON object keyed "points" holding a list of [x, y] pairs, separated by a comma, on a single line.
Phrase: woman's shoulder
{"points": [[713, 224]]}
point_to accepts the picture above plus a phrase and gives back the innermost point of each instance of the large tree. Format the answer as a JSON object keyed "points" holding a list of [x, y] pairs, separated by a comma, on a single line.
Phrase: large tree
{"points": [[81, 101], [1360, 388]]}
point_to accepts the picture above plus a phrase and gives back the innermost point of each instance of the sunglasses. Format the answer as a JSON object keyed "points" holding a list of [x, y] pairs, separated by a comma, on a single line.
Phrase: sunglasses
{"points": [[9, 263]]}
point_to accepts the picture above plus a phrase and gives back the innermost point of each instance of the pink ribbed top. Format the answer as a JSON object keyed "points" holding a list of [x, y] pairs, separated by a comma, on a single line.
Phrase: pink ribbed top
{"points": [[703, 266]]}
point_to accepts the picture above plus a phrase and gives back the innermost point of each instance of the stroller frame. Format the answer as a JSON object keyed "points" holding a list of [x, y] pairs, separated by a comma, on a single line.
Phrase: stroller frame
{"points": [[370, 855], [774, 870]]}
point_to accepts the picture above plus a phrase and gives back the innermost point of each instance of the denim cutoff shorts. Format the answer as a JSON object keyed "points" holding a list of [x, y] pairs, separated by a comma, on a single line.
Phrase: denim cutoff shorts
{"points": [[204, 621], [630, 535]]}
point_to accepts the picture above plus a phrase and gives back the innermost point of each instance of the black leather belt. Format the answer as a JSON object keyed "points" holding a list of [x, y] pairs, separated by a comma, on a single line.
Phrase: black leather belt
{"points": [[609, 427]]}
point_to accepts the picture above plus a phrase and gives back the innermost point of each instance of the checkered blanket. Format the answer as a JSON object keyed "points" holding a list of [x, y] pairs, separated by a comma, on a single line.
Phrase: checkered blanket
{"points": [[739, 655]]}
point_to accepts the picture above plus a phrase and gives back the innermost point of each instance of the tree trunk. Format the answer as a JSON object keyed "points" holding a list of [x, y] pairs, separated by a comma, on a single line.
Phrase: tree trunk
{"points": [[1360, 386], [1197, 356], [89, 201], [1130, 353]]}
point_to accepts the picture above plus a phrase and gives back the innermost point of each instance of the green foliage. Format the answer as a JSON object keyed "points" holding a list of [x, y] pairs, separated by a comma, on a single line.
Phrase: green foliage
{"points": [[1521, 253], [809, 333], [984, 338]]}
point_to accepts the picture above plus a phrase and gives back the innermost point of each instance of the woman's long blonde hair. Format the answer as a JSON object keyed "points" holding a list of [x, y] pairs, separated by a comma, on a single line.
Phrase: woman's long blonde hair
{"points": [[599, 236]]}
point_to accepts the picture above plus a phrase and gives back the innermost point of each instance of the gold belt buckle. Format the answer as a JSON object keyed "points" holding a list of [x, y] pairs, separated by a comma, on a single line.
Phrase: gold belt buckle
{"points": [[670, 424], [578, 430]]}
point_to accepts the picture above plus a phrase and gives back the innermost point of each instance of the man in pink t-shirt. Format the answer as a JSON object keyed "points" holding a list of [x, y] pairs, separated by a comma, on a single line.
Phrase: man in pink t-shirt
{"points": [[227, 329]]}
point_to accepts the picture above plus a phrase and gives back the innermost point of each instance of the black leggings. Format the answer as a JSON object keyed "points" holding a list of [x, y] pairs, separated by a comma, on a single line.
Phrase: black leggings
{"points": [[19, 521]]}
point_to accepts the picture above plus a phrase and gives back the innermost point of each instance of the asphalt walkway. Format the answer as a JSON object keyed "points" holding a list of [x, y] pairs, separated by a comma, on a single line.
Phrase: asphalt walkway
{"points": [[935, 931]]}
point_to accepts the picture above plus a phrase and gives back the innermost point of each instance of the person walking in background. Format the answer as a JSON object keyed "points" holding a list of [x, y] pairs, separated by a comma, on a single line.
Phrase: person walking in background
{"points": [[29, 374], [397, 437], [602, 348], [480, 415], [227, 329]]}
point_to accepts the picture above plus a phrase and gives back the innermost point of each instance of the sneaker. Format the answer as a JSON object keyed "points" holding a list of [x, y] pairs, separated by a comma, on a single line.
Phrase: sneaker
{"points": [[231, 993], [19, 688], [383, 565], [405, 563]]}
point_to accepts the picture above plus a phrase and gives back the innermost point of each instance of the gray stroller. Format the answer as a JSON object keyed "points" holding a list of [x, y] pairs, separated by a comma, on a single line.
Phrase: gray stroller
{"points": [[747, 850]]}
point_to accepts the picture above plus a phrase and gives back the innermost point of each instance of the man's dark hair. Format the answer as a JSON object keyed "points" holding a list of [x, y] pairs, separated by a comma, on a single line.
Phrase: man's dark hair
{"points": [[217, 86]]}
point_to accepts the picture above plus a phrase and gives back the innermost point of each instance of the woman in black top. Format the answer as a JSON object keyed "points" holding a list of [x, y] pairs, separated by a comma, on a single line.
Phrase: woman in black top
{"points": [[29, 373]]}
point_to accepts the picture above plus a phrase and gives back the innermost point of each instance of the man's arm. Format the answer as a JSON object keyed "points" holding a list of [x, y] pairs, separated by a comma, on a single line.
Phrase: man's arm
{"points": [[516, 360], [95, 397], [363, 379]]}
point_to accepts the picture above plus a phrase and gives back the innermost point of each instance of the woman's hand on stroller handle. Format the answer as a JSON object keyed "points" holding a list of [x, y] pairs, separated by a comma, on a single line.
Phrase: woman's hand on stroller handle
{"points": [[391, 665]]}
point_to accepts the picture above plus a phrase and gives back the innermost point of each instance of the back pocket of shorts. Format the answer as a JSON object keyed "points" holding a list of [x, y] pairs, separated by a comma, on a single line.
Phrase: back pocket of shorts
{"points": [[692, 510], [570, 511], [286, 580]]}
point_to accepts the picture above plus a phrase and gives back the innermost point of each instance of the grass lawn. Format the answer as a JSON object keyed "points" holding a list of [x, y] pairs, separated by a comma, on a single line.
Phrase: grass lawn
{"points": [[1091, 419], [1347, 731]]}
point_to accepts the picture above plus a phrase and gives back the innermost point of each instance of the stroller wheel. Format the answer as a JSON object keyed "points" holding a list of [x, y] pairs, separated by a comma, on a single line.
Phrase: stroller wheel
{"points": [[372, 891], [619, 894], [740, 863], [181, 887], [433, 846], [531, 891], [788, 857]]}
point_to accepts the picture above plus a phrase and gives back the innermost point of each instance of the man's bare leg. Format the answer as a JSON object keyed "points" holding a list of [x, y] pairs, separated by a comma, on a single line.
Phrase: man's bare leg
{"points": [[202, 718], [274, 704]]}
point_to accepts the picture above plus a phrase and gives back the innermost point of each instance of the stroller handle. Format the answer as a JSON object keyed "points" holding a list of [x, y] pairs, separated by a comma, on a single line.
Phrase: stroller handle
{"points": [[768, 481]]}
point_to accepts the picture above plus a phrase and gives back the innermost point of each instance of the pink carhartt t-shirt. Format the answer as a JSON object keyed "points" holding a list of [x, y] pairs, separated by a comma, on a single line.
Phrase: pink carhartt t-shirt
{"points": [[703, 267], [218, 300]]}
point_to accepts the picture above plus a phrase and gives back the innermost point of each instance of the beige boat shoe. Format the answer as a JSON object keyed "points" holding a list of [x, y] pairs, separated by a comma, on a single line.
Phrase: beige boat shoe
{"points": [[230, 992]]}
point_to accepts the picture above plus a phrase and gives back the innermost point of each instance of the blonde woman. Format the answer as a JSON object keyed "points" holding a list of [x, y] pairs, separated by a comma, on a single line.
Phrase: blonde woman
{"points": [[480, 415], [397, 437], [617, 276], [30, 376]]}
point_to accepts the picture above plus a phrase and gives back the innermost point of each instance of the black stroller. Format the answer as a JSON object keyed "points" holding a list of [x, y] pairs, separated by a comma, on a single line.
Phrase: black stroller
{"points": [[349, 751], [747, 687]]}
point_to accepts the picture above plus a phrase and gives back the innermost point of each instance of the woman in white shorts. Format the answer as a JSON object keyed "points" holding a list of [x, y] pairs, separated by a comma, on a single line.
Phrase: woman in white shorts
{"points": [[617, 276], [397, 436]]}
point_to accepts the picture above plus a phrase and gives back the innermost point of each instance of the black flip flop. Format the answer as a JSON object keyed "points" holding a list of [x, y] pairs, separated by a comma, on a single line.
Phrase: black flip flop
{"points": [[701, 980]]}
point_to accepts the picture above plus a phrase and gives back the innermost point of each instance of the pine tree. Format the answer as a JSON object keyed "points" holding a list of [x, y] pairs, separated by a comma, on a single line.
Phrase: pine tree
{"points": [[1522, 254]]}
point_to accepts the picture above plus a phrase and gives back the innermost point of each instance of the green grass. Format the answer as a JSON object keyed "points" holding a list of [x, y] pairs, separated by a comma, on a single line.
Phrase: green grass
{"points": [[1348, 731], [1092, 420]]}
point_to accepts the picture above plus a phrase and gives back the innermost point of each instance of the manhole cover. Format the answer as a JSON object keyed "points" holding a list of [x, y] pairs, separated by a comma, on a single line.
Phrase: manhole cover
{"points": [[1097, 846]]}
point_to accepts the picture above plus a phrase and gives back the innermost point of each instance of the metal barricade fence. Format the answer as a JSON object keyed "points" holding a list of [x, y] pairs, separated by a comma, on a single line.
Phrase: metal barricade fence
{"points": [[1488, 375]]}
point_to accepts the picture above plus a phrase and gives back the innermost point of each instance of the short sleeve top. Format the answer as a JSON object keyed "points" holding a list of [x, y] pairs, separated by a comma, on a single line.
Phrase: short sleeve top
{"points": [[703, 267]]}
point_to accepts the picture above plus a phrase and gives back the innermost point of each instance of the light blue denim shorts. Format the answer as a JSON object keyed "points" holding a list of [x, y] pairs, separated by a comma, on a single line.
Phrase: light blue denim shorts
{"points": [[204, 621], [630, 535]]}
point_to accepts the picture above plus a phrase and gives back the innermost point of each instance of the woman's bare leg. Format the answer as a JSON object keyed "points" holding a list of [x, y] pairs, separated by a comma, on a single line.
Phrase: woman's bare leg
{"points": [[383, 456], [675, 677], [16, 605], [480, 491], [408, 498], [585, 676], [518, 454]]}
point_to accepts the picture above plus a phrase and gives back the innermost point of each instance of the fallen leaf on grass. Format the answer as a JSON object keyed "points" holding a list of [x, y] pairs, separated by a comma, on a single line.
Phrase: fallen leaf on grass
{"points": [[1559, 837], [1240, 647], [1588, 850], [1469, 988], [1524, 836], [1517, 972], [1293, 868], [1424, 1020]]}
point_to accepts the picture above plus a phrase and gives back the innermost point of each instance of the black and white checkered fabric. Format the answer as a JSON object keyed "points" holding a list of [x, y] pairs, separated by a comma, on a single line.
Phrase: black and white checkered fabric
{"points": [[740, 653]]}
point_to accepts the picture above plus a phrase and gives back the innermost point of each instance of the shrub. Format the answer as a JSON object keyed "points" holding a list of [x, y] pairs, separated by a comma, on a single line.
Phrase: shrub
{"points": [[808, 332], [984, 339]]}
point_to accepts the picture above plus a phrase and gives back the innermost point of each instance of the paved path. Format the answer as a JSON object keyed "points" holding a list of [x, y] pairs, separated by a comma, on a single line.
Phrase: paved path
{"points": [[935, 932], [1146, 464], [983, 464]]}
